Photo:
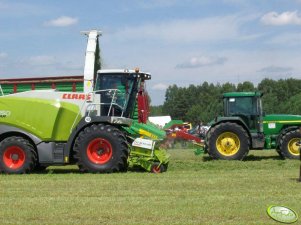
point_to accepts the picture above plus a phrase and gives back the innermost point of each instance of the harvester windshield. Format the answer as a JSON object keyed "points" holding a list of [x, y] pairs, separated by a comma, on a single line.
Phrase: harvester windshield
{"points": [[117, 88]]}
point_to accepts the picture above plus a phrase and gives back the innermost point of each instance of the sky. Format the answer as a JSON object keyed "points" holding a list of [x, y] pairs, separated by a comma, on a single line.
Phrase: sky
{"points": [[179, 42]]}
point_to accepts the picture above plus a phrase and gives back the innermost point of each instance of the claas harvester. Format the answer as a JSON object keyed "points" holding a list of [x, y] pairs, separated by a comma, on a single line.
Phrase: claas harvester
{"points": [[103, 129]]}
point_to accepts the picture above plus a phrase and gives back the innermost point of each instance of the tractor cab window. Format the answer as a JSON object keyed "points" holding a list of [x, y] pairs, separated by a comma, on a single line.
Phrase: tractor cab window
{"points": [[241, 105], [115, 90]]}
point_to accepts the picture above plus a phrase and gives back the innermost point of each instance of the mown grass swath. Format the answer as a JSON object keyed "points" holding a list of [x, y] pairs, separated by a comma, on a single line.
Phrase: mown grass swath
{"points": [[195, 190]]}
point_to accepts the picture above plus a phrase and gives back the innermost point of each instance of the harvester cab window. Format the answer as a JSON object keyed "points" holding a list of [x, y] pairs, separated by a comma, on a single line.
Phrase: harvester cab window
{"points": [[114, 90]]}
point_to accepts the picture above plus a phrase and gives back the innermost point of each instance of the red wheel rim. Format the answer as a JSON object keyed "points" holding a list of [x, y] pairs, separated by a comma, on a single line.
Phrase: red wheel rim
{"points": [[99, 151], [14, 157], [156, 169]]}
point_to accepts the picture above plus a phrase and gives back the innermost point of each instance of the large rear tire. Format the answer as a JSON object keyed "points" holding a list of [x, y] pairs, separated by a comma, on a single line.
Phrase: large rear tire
{"points": [[288, 147], [17, 155], [101, 149], [228, 141]]}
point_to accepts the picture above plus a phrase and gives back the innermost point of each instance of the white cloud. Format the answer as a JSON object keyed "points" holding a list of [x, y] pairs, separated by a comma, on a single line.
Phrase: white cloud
{"points": [[43, 65], [286, 39], [204, 29], [275, 69], [50, 62], [3, 55], [157, 4], [160, 87], [201, 61], [285, 18], [62, 21], [41, 60]]}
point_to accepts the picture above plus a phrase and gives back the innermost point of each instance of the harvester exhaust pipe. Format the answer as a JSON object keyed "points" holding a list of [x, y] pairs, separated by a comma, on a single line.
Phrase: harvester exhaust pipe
{"points": [[91, 56]]}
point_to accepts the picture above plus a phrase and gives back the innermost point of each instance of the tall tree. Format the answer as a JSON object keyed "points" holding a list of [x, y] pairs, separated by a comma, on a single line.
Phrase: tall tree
{"points": [[245, 86], [204, 101]]}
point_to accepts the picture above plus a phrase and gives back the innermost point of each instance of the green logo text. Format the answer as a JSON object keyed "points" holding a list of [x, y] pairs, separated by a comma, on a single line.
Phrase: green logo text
{"points": [[282, 214]]}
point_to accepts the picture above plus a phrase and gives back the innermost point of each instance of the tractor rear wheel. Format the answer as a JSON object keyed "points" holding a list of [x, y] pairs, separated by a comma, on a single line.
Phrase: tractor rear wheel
{"points": [[17, 155], [288, 147], [101, 148], [228, 141]]}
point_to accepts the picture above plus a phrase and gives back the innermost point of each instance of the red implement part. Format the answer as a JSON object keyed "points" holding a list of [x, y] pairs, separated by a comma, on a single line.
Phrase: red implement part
{"points": [[184, 136], [143, 105]]}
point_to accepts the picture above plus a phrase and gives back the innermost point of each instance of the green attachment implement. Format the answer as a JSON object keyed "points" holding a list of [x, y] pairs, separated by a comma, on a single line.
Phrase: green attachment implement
{"points": [[146, 155], [199, 151], [199, 148]]}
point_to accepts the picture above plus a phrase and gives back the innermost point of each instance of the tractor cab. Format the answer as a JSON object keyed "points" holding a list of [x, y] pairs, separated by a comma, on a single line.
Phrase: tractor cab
{"points": [[245, 105], [121, 91]]}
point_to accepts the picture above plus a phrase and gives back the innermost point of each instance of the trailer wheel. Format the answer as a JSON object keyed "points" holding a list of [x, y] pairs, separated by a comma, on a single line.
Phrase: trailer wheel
{"points": [[288, 145], [101, 148], [17, 155], [157, 168], [228, 141]]}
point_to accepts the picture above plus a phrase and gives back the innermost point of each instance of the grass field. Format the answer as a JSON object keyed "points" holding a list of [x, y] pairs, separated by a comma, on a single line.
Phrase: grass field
{"points": [[195, 190]]}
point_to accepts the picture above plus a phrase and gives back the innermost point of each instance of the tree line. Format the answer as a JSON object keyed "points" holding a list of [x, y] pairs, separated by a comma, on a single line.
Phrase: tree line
{"points": [[204, 102]]}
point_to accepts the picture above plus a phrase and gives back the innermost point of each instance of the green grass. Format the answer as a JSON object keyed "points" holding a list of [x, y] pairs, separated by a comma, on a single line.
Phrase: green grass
{"points": [[195, 190]]}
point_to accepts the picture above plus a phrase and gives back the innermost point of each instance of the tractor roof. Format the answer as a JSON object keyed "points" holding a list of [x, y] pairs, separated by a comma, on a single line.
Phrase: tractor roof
{"points": [[146, 76], [242, 94]]}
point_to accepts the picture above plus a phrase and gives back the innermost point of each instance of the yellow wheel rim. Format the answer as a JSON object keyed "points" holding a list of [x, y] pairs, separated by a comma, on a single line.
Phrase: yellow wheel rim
{"points": [[228, 144], [292, 146]]}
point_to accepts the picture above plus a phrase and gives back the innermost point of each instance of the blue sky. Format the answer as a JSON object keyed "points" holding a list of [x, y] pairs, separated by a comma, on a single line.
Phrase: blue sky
{"points": [[178, 41]]}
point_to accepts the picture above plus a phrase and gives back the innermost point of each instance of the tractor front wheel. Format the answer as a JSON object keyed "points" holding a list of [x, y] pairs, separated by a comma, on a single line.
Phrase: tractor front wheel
{"points": [[288, 145], [228, 141], [17, 155], [101, 148]]}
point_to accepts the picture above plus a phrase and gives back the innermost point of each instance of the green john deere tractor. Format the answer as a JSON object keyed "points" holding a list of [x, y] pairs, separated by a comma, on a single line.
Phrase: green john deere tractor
{"points": [[244, 126], [105, 130]]}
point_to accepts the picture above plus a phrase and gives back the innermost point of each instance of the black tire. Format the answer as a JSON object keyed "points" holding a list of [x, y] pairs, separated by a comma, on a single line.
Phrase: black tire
{"points": [[288, 147], [101, 148], [40, 168], [278, 147], [17, 155], [235, 147], [165, 167]]}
